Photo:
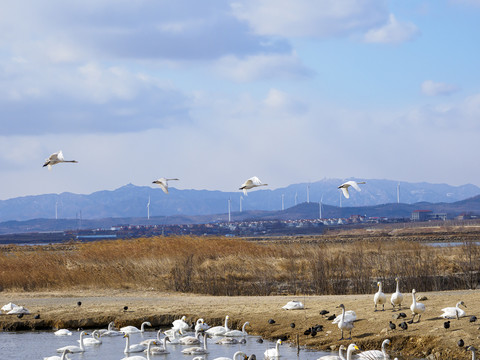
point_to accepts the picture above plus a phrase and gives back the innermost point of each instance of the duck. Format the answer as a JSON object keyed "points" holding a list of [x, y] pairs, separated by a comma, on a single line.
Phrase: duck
{"points": [[345, 324], [197, 350], [235, 333], [75, 348], [416, 307], [376, 354], [132, 329], [454, 312], [219, 330], [397, 297], [379, 298], [132, 348], [273, 353]]}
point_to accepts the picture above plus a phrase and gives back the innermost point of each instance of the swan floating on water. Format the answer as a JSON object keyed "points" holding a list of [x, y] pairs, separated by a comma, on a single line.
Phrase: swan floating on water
{"points": [[74, 348], [94, 340], [250, 184], [56, 158], [190, 340], [397, 297], [197, 350], [235, 333], [376, 354], [345, 324], [351, 183], [132, 348], [201, 325], [63, 357], [219, 330], [111, 331], [132, 329], [239, 354], [157, 350], [62, 332], [273, 353], [138, 357], [293, 305], [454, 312], [416, 307], [379, 298], [335, 357]]}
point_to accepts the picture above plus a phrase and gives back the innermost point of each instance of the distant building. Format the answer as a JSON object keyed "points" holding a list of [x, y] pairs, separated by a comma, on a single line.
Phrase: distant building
{"points": [[421, 215]]}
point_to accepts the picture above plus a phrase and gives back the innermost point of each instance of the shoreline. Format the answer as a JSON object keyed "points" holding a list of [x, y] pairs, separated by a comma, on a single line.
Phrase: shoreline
{"points": [[99, 307]]}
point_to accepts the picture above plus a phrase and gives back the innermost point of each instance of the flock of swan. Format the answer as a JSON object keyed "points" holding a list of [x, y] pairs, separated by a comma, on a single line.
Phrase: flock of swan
{"points": [[253, 182]]}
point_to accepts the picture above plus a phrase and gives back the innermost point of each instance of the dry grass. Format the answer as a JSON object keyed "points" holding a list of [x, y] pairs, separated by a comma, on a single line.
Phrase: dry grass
{"points": [[220, 266]]}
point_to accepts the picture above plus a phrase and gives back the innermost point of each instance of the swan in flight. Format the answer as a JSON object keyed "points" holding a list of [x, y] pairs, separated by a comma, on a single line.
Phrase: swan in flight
{"points": [[132, 348], [239, 354], [375, 354], [416, 307], [351, 183], [148, 350], [379, 298], [345, 324], [57, 158], [250, 184], [397, 297], [273, 353], [293, 305], [63, 332], [197, 350], [454, 312], [74, 348], [94, 340], [219, 330], [163, 183], [132, 329], [63, 357], [235, 333]]}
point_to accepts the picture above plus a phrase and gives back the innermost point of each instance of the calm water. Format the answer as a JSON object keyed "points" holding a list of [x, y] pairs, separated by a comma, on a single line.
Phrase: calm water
{"points": [[37, 345]]}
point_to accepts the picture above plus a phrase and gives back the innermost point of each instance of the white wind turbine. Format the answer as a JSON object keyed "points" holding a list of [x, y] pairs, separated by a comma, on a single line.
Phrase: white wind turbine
{"points": [[148, 208]]}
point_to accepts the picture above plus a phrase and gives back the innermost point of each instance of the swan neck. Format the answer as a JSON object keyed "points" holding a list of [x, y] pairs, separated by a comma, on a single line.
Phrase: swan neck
{"points": [[349, 353], [398, 287], [127, 344]]}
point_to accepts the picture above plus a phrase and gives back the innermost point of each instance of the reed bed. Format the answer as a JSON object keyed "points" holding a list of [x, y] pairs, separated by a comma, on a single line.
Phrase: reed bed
{"points": [[221, 266]]}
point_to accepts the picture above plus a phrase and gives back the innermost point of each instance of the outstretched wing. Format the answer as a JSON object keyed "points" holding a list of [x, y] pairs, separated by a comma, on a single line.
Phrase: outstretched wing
{"points": [[345, 192]]}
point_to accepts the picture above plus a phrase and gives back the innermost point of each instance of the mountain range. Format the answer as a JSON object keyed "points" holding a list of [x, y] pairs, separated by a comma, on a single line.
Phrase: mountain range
{"points": [[130, 201]]}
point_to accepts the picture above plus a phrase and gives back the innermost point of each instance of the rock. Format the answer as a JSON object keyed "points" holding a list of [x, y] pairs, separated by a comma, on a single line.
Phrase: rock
{"points": [[333, 347], [422, 298], [384, 331]]}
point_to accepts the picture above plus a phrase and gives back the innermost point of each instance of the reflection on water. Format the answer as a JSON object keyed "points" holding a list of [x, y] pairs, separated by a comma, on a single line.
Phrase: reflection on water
{"points": [[37, 345], [449, 244]]}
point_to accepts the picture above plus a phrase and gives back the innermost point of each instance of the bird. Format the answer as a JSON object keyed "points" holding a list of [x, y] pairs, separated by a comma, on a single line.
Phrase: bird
{"points": [[36, 317], [307, 332], [293, 305], [446, 324], [331, 317], [63, 332], [271, 321], [260, 340], [250, 184], [163, 183], [473, 318], [132, 329], [416, 307], [181, 324], [56, 158], [454, 312], [239, 354], [335, 357], [197, 350], [379, 298], [148, 351], [75, 348], [237, 332], [324, 312], [460, 343], [63, 357], [351, 183], [132, 348], [403, 325], [125, 308], [20, 315], [402, 315], [292, 325], [273, 353], [219, 330], [392, 326], [79, 303], [190, 340], [94, 340], [158, 350], [473, 350], [345, 324], [313, 333], [397, 297], [375, 354], [110, 332], [201, 325], [227, 341]]}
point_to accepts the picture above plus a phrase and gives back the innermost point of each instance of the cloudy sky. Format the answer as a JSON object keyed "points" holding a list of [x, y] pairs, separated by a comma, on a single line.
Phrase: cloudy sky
{"points": [[214, 92]]}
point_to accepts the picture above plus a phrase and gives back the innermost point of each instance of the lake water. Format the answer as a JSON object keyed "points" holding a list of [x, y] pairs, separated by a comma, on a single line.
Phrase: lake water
{"points": [[39, 344]]}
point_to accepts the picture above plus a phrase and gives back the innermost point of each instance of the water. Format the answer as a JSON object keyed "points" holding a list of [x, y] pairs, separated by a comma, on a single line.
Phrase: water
{"points": [[449, 244], [39, 344]]}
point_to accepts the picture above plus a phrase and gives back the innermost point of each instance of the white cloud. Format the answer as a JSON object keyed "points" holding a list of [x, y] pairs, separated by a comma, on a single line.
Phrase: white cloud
{"points": [[319, 19], [393, 32], [432, 88]]}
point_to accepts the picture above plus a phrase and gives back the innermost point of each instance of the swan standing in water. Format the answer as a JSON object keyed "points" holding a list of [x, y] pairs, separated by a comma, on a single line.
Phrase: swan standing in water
{"points": [[345, 324], [74, 348], [376, 354], [454, 312], [219, 330], [57, 158], [63, 357], [397, 297], [63, 332], [239, 354], [416, 307], [335, 357], [273, 353], [250, 184], [132, 348], [197, 350], [133, 329], [138, 357], [379, 298], [235, 333], [163, 183], [351, 183]]}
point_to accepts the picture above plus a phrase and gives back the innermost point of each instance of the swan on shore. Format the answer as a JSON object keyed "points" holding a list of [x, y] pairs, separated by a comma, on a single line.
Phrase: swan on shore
{"points": [[473, 350], [163, 183], [379, 298], [416, 307], [197, 350], [345, 324], [293, 305], [63, 357], [376, 354], [56, 158], [219, 330], [351, 183], [138, 357], [75, 348], [250, 184], [132, 329], [132, 348], [273, 353], [454, 312], [235, 333], [397, 297]]}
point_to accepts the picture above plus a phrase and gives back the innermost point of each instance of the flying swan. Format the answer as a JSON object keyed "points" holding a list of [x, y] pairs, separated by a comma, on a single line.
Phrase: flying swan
{"points": [[250, 184], [351, 183], [57, 158], [163, 183]]}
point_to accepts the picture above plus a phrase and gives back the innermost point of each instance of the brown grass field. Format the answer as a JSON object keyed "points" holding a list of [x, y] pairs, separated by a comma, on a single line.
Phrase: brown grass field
{"points": [[161, 279]]}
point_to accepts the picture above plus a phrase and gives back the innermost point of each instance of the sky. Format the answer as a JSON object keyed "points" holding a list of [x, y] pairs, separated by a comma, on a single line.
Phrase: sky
{"points": [[214, 92]]}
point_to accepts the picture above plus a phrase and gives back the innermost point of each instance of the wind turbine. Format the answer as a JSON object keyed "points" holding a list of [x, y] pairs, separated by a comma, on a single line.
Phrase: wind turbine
{"points": [[320, 207], [398, 193], [241, 199], [283, 202], [296, 198], [229, 205], [308, 193], [148, 208]]}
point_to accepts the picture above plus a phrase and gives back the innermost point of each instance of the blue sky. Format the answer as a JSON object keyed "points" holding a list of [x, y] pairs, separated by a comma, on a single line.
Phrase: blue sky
{"points": [[214, 92]]}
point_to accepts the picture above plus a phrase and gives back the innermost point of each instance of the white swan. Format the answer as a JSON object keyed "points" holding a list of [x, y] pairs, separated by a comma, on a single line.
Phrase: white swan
{"points": [[138, 357], [235, 333], [397, 297], [132, 329], [239, 354], [197, 350], [94, 340], [345, 324], [227, 341], [376, 354], [63, 357], [201, 325], [174, 339], [157, 350], [219, 330], [163, 183], [454, 312], [190, 340], [74, 348], [473, 350], [250, 184], [132, 348], [273, 353], [293, 305], [181, 324], [351, 183], [57, 158], [18, 310], [9, 306], [157, 339], [416, 307], [351, 348], [379, 298], [111, 331], [63, 332], [349, 316], [335, 357]]}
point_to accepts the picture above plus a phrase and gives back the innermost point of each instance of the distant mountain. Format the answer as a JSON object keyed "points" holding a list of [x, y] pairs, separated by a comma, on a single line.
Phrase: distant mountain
{"points": [[130, 201]]}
